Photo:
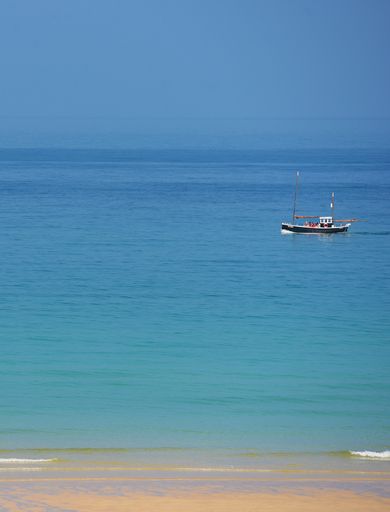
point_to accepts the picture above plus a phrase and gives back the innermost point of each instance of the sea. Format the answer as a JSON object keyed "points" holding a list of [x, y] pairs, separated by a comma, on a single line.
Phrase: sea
{"points": [[152, 314]]}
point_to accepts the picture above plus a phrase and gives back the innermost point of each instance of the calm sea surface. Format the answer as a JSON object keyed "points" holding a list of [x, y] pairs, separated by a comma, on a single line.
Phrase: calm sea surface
{"points": [[148, 300]]}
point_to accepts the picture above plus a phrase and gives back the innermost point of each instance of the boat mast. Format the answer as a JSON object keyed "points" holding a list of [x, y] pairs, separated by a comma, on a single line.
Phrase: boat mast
{"points": [[295, 197], [332, 205]]}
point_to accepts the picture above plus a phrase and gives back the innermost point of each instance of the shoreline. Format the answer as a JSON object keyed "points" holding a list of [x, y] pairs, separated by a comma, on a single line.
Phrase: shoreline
{"points": [[189, 465]]}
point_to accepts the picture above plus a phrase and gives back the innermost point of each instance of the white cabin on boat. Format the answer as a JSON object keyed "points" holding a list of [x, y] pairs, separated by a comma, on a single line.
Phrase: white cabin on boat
{"points": [[326, 222]]}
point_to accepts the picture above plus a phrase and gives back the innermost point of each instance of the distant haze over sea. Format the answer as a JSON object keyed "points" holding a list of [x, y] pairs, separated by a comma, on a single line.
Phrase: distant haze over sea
{"points": [[192, 133]]}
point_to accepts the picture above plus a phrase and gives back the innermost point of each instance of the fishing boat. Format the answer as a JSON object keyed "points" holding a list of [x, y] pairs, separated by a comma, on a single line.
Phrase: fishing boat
{"points": [[318, 224]]}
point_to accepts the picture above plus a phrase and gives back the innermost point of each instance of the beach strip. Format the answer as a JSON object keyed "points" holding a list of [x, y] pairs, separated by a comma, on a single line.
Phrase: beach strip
{"points": [[320, 501], [75, 494]]}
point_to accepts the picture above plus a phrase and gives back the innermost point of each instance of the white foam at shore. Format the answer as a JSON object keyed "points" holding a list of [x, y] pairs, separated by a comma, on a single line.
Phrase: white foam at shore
{"points": [[24, 461], [372, 455], [226, 470]]}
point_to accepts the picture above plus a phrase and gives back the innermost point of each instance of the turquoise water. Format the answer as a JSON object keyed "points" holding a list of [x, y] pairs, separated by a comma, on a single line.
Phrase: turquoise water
{"points": [[148, 300]]}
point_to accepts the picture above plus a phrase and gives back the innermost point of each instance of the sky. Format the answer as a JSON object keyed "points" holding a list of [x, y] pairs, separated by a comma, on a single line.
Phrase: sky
{"points": [[187, 58], [193, 59]]}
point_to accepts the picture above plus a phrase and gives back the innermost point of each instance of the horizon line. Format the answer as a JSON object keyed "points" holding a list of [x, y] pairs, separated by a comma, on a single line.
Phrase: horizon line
{"points": [[199, 118]]}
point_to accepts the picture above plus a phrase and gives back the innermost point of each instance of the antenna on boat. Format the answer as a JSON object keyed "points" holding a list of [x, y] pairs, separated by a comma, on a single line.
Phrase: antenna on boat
{"points": [[295, 197]]}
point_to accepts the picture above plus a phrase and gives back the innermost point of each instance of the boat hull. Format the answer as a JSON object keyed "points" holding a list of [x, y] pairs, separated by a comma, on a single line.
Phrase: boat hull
{"points": [[296, 228]]}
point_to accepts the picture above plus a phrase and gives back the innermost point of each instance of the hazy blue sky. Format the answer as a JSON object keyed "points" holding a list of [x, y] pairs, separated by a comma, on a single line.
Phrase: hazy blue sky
{"points": [[187, 58]]}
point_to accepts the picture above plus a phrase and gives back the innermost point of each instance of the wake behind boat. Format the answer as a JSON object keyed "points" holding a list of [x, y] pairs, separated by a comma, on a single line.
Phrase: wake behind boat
{"points": [[318, 224]]}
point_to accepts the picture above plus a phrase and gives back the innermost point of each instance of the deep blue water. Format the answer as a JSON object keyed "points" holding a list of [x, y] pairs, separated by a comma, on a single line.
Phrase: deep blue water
{"points": [[148, 299]]}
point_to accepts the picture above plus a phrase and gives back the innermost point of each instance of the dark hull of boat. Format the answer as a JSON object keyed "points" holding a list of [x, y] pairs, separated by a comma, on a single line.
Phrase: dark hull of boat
{"points": [[294, 228]]}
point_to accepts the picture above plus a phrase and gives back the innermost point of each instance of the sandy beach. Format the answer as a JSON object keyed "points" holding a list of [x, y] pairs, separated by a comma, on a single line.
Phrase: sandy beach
{"points": [[74, 500], [164, 494]]}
